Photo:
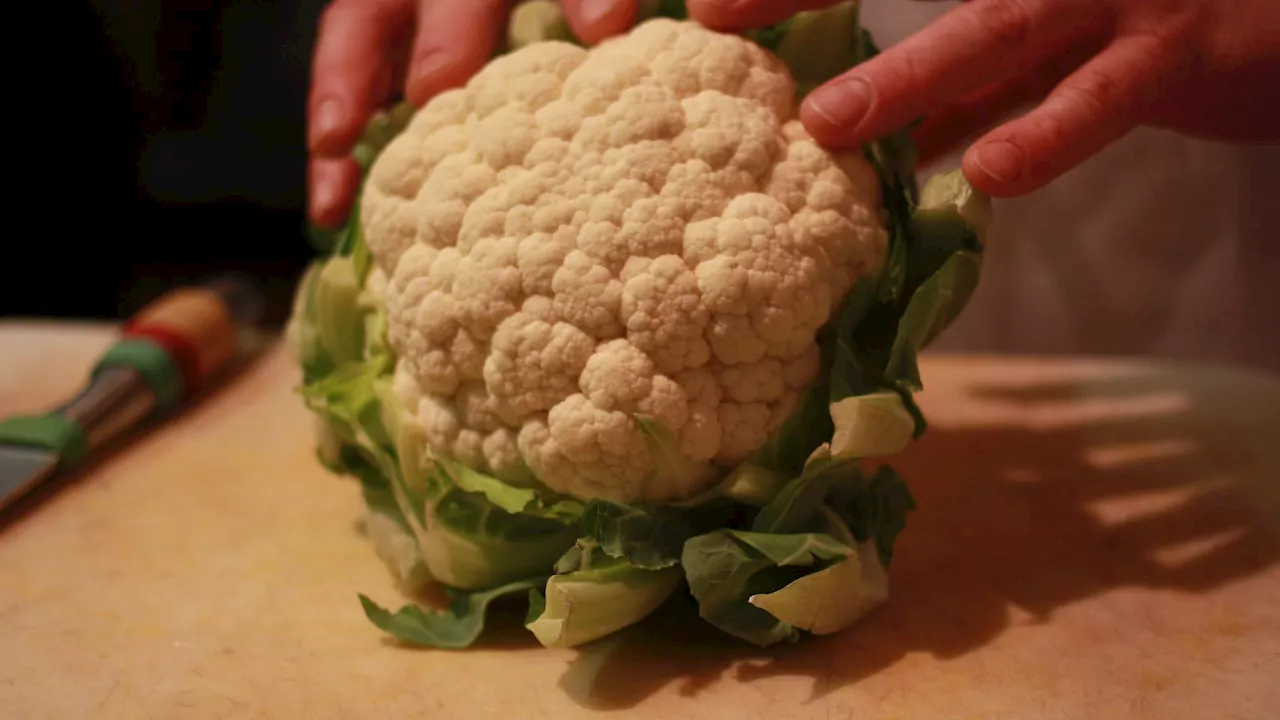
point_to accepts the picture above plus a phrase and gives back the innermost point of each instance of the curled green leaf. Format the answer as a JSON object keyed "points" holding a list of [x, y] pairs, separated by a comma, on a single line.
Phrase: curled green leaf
{"points": [[457, 627], [582, 606]]}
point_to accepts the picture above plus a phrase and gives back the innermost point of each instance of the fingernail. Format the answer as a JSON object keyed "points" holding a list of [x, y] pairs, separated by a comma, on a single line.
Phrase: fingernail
{"points": [[593, 11], [326, 121], [843, 104], [322, 195], [1001, 159]]}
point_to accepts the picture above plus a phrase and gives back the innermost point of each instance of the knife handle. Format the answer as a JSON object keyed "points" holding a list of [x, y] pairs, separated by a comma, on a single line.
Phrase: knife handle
{"points": [[167, 352], [177, 343]]}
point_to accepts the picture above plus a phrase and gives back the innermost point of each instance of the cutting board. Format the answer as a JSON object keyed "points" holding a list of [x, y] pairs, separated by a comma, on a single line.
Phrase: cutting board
{"points": [[1096, 539]]}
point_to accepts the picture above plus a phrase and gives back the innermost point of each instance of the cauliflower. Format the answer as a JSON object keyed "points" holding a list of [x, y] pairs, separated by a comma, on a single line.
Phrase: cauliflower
{"points": [[580, 236], [609, 324]]}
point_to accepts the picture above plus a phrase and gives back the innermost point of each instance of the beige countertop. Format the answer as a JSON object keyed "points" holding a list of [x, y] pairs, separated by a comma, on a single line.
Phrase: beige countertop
{"points": [[1095, 539]]}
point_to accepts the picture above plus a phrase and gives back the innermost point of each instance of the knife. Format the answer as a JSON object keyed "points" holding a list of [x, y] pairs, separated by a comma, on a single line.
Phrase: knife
{"points": [[166, 353]]}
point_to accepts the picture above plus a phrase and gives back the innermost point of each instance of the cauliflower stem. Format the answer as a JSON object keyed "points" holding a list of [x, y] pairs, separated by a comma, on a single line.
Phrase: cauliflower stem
{"points": [[588, 391]]}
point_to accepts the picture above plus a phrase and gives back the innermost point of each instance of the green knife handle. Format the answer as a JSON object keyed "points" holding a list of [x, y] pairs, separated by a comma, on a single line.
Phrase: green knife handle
{"points": [[167, 352], [115, 400], [51, 432]]}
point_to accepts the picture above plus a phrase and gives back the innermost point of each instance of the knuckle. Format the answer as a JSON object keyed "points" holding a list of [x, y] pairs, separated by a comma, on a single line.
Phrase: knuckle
{"points": [[1097, 93], [1008, 22], [1047, 134], [900, 75], [1172, 20]]}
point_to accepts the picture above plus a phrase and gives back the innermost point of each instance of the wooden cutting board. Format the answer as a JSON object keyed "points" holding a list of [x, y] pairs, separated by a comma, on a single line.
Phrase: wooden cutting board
{"points": [[1095, 539]]}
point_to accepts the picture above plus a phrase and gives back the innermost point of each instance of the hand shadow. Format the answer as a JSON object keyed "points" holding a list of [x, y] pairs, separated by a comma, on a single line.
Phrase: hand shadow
{"points": [[1034, 492]]}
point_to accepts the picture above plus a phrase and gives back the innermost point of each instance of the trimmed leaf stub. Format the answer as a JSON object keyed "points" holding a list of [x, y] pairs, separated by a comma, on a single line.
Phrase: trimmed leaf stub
{"points": [[582, 606], [870, 425], [832, 599]]}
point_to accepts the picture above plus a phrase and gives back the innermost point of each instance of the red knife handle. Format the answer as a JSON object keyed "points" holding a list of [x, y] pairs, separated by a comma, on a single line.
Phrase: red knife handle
{"points": [[195, 328]]}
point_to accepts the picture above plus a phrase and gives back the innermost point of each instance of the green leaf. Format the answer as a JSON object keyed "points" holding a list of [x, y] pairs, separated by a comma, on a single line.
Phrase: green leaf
{"points": [[933, 307], [379, 497], [511, 499], [506, 497], [456, 628], [470, 544], [474, 532], [772, 36], [663, 8], [473, 514], [832, 598], [794, 550], [726, 568], [338, 316], [875, 509], [381, 129], [962, 209], [791, 444], [799, 500], [361, 258], [648, 538], [347, 399], [323, 240], [723, 573], [350, 235], [816, 45], [849, 376], [952, 217], [868, 324], [587, 605]]}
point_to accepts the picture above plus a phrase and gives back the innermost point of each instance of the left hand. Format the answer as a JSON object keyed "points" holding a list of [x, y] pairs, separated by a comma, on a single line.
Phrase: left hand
{"points": [[368, 50]]}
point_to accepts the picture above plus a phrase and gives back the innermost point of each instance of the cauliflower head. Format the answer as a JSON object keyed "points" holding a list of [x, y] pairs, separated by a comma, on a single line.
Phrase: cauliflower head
{"points": [[594, 259]]}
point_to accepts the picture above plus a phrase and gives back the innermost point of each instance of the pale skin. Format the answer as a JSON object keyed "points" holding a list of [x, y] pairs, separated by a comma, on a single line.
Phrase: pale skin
{"points": [[1089, 70]]}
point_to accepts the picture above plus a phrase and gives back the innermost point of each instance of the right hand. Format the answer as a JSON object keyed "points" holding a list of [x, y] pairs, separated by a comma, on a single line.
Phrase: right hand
{"points": [[1092, 71], [368, 51]]}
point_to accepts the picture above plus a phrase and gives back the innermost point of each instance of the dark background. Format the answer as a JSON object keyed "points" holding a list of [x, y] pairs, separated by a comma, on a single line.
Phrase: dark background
{"points": [[155, 142], [165, 142]]}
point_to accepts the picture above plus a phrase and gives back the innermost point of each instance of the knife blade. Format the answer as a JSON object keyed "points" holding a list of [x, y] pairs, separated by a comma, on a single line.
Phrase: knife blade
{"points": [[166, 353]]}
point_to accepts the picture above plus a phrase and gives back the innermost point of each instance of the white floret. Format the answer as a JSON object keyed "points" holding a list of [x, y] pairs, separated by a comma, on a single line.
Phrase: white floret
{"points": [[583, 237]]}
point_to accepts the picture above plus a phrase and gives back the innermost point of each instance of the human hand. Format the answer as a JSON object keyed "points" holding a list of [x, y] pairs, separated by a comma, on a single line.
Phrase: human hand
{"points": [[1099, 68], [369, 51]]}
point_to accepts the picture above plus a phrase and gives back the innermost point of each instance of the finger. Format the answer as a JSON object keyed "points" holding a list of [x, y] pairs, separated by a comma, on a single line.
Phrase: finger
{"points": [[1093, 107], [981, 42], [943, 132], [455, 39], [595, 20], [963, 121], [749, 14], [352, 71], [333, 184]]}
